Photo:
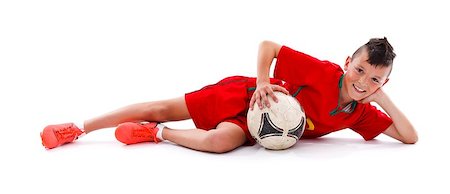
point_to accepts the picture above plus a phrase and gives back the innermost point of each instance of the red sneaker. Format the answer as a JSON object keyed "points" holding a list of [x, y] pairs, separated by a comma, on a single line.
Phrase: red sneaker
{"points": [[55, 135], [131, 133]]}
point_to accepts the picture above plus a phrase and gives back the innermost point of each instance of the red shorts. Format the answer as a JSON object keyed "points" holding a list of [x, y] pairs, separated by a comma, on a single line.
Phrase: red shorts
{"points": [[226, 101]]}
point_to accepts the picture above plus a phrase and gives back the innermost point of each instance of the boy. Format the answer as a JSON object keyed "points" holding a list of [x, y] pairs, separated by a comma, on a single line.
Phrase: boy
{"points": [[332, 100]]}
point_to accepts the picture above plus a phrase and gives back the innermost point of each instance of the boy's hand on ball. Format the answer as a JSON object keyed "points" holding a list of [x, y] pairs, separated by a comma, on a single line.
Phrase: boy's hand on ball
{"points": [[263, 90]]}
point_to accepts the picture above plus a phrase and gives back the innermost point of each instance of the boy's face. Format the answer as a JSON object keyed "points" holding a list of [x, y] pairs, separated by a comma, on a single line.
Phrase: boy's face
{"points": [[361, 78]]}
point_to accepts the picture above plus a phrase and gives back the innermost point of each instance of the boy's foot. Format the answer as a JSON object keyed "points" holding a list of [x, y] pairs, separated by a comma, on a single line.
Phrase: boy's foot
{"points": [[55, 135], [131, 133]]}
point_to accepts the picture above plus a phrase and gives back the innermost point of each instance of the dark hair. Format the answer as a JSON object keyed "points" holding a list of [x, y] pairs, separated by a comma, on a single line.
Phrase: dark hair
{"points": [[380, 52]]}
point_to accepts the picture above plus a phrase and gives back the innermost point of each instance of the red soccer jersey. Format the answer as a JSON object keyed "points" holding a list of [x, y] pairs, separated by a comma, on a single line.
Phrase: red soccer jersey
{"points": [[316, 85]]}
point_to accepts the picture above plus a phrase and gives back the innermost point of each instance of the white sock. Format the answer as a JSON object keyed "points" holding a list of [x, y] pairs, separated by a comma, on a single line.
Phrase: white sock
{"points": [[80, 126], [160, 130]]}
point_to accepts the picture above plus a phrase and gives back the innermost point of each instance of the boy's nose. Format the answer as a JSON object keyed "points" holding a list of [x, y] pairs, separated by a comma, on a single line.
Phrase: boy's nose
{"points": [[363, 81]]}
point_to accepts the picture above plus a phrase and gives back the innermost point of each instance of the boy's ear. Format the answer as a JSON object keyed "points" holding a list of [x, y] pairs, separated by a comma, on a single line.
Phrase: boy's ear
{"points": [[347, 62]]}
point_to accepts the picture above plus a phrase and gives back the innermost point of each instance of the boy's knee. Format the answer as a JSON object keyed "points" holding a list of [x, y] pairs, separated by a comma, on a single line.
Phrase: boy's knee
{"points": [[156, 112], [219, 143]]}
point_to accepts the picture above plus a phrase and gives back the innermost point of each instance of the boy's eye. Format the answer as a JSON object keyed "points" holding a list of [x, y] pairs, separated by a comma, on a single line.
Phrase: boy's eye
{"points": [[359, 70], [375, 80]]}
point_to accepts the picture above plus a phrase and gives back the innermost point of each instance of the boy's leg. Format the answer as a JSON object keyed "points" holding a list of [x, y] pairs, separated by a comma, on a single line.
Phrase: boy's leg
{"points": [[226, 137], [157, 111]]}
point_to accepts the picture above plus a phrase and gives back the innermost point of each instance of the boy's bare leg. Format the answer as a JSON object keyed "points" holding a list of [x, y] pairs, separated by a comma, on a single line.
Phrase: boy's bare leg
{"points": [[158, 111], [226, 137]]}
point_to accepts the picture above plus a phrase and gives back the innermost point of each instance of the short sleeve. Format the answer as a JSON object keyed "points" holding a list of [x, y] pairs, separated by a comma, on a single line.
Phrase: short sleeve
{"points": [[372, 122], [299, 68]]}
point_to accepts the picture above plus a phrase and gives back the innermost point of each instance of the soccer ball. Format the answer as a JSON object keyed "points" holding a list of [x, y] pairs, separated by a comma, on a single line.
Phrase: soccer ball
{"points": [[280, 126]]}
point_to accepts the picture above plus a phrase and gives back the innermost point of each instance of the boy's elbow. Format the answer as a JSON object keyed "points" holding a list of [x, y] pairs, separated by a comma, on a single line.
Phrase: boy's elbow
{"points": [[270, 47], [265, 42]]}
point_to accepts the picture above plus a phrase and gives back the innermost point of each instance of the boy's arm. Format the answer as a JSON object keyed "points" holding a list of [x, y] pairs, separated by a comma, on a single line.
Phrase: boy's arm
{"points": [[267, 52], [401, 129]]}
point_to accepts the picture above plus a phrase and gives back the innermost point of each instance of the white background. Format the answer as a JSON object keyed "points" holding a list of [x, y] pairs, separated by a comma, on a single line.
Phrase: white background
{"points": [[65, 61]]}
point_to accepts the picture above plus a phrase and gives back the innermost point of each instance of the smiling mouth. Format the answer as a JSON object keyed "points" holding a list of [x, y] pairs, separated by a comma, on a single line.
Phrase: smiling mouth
{"points": [[359, 90]]}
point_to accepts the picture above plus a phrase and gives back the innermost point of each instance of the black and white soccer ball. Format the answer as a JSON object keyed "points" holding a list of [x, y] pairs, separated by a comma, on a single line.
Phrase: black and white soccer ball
{"points": [[280, 126]]}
